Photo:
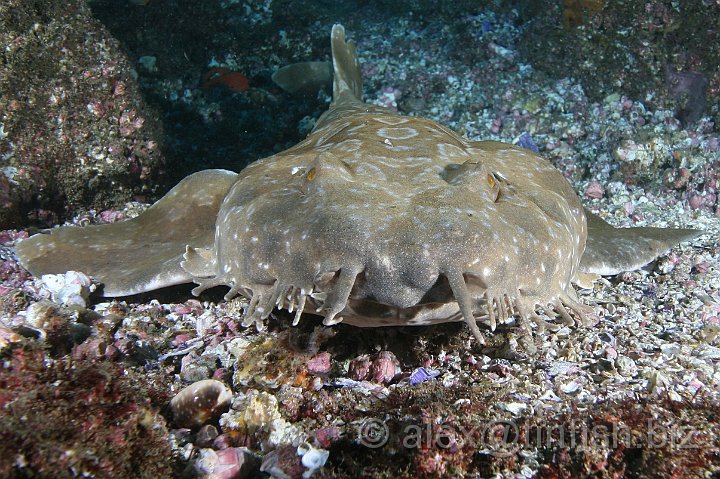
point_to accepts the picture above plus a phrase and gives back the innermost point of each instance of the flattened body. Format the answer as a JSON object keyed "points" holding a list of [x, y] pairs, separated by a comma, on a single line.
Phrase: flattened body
{"points": [[373, 213], [375, 219]]}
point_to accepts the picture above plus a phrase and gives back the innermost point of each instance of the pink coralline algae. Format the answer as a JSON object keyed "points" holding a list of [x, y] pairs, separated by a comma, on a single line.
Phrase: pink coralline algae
{"points": [[382, 368], [360, 368], [94, 419], [594, 191], [319, 364], [385, 367], [12, 274], [130, 122], [327, 436], [8, 236], [110, 216], [696, 201], [230, 463]]}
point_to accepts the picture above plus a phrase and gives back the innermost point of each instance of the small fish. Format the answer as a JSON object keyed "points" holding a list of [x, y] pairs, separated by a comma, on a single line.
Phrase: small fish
{"points": [[374, 219]]}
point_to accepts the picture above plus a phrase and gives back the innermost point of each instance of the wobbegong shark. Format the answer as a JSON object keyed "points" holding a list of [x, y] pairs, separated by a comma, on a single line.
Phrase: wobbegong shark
{"points": [[375, 219]]}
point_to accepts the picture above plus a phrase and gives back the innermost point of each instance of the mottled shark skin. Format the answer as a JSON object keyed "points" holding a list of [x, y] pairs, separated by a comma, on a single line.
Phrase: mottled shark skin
{"points": [[375, 219]]}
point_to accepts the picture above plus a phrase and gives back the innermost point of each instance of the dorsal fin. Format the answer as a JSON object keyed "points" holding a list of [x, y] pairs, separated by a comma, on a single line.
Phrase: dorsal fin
{"points": [[611, 250], [347, 82]]}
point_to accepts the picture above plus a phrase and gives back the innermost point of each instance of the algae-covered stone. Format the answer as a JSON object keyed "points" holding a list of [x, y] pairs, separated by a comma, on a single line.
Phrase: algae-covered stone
{"points": [[74, 130]]}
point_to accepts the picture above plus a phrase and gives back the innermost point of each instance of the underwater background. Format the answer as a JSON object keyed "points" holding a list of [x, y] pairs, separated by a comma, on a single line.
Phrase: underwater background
{"points": [[106, 104]]}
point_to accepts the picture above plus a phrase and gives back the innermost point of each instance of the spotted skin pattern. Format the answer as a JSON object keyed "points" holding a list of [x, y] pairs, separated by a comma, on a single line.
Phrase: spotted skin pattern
{"points": [[375, 219]]}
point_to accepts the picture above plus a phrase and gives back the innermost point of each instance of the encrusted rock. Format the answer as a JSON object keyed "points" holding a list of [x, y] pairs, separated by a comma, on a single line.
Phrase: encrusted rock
{"points": [[360, 368], [194, 368], [288, 462], [384, 367], [51, 323], [64, 72], [258, 412], [206, 435], [320, 363]]}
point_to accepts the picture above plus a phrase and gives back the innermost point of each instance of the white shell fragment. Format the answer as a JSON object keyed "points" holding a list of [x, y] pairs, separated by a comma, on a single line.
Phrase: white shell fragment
{"points": [[70, 289], [312, 458]]}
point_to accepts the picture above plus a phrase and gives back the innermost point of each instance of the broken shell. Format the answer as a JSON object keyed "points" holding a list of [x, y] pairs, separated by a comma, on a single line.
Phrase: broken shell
{"points": [[420, 375], [230, 463], [70, 289], [312, 458], [200, 402]]}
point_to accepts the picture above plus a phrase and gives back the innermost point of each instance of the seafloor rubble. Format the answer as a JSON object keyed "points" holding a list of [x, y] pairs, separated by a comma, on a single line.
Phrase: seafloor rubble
{"points": [[623, 100]]}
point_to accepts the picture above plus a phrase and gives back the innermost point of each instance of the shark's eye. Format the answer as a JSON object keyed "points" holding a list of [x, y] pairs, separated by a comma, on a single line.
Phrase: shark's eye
{"points": [[311, 174], [491, 180], [494, 185]]}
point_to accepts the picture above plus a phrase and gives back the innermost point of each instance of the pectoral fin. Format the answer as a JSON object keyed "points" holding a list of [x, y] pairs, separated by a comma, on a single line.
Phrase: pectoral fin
{"points": [[611, 250], [140, 254]]}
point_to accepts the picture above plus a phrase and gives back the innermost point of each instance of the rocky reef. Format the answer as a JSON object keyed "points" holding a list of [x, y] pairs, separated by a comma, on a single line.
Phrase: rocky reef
{"points": [[74, 130]]}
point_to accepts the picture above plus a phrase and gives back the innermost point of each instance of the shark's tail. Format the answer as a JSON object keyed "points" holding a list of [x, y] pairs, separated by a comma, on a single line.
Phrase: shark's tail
{"points": [[347, 83]]}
